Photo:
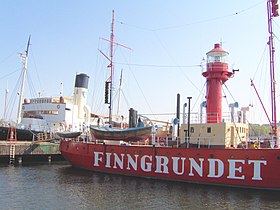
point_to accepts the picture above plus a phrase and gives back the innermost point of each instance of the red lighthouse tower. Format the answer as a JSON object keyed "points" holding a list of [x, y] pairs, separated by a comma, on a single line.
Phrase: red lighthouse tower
{"points": [[217, 74]]}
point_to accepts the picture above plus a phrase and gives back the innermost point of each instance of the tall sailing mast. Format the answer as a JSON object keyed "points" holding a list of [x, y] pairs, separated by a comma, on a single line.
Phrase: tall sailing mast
{"points": [[272, 11], [24, 57]]}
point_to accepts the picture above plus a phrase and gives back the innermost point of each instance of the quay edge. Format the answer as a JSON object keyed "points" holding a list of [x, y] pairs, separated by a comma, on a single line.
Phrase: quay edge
{"points": [[26, 151]]}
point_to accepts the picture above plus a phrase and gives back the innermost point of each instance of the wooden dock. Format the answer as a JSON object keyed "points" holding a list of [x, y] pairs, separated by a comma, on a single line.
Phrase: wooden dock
{"points": [[17, 152]]}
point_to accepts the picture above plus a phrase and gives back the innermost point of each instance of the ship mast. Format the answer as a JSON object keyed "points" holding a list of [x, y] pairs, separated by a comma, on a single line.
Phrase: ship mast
{"points": [[24, 57], [111, 68], [272, 11], [5, 107], [111, 65], [118, 110]]}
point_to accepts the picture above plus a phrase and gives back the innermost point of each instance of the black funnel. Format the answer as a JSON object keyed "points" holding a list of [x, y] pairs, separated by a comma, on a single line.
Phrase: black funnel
{"points": [[81, 81]]}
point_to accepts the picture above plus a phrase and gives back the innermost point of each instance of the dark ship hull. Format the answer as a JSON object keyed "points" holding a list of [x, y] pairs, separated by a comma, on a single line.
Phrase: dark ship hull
{"points": [[20, 134]]}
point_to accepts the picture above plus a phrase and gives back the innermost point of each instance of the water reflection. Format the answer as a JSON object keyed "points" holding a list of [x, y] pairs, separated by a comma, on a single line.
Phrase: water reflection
{"points": [[60, 186], [111, 191]]}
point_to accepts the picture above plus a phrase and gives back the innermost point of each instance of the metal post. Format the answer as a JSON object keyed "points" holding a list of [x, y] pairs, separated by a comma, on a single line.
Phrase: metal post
{"points": [[153, 135], [178, 115], [184, 113], [189, 117]]}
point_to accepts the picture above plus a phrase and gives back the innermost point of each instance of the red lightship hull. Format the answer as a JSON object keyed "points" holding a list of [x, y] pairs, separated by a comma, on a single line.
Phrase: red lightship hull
{"points": [[251, 168]]}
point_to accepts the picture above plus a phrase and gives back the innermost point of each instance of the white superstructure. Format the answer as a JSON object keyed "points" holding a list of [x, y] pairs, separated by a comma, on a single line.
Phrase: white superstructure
{"points": [[53, 114]]}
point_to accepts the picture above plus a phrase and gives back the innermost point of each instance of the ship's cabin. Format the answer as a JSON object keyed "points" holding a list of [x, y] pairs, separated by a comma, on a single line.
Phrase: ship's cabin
{"points": [[214, 135]]}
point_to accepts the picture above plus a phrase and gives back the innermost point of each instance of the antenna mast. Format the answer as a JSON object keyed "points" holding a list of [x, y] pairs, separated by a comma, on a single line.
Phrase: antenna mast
{"points": [[24, 57]]}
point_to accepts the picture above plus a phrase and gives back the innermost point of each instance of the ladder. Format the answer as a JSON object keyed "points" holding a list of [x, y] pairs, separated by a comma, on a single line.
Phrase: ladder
{"points": [[12, 153]]}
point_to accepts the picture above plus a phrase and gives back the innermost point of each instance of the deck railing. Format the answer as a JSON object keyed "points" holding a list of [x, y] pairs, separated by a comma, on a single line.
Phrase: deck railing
{"points": [[196, 117], [186, 141], [207, 142]]}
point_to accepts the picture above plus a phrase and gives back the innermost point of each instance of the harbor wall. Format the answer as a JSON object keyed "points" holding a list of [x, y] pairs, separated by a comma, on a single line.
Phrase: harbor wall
{"points": [[29, 151]]}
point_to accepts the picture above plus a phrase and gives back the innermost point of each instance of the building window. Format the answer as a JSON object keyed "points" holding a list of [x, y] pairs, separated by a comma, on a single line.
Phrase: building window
{"points": [[209, 130]]}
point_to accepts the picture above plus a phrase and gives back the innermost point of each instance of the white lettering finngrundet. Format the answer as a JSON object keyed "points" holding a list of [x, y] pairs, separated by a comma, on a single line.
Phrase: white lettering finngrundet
{"points": [[180, 166]]}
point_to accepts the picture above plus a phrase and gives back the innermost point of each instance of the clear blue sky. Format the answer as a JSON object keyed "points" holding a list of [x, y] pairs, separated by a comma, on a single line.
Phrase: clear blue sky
{"points": [[169, 39]]}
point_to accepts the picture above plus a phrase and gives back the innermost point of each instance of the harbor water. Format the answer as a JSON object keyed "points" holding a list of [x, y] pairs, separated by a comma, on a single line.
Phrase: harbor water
{"points": [[57, 185]]}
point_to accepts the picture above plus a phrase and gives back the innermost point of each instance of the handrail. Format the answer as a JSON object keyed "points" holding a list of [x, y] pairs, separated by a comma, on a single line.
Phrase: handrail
{"points": [[206, 142]]}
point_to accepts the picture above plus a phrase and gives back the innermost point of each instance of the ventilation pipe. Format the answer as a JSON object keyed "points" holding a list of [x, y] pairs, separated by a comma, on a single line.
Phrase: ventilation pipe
{"points": [[232, 106], [202, 105], [244, 111]]}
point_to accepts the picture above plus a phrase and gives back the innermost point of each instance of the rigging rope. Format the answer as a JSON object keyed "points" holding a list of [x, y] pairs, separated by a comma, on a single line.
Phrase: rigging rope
{"points": [[193, 23], [7, 75], [157, 65]]}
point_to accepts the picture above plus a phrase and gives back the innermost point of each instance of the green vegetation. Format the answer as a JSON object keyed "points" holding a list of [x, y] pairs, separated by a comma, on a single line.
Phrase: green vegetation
{"points": [[259, 130]]}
